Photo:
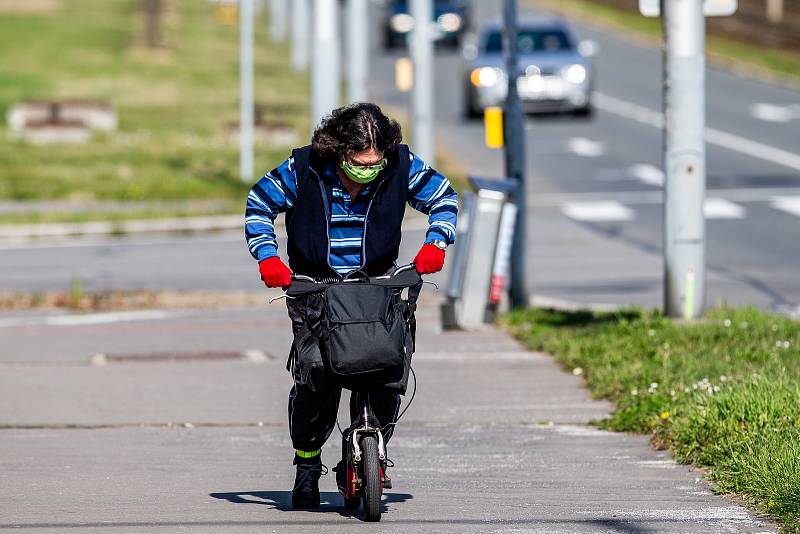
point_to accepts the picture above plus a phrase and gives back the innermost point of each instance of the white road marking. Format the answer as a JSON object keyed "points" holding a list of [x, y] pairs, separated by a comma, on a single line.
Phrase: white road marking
{"points": [[787, 204], [585, 147], [773, 113], [752, 194], [719, 208], [608, 210], [722, 139], [646, 173], [83, 319]]}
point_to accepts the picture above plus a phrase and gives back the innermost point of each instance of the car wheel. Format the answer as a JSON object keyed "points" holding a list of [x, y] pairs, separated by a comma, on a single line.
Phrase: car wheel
{"points": [[585, 112]]}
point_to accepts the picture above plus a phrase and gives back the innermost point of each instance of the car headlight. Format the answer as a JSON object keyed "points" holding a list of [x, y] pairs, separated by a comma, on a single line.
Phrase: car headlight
{"points": [[485, 76], [401, 23], [575, 74], [449, 22]]}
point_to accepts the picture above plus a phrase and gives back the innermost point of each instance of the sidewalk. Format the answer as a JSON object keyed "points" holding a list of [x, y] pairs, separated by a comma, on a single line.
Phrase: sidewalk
{"points": [[497, 439]]}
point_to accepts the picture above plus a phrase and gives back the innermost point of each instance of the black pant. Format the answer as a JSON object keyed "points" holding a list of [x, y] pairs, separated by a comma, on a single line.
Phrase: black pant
{"points": [[312, 414]]}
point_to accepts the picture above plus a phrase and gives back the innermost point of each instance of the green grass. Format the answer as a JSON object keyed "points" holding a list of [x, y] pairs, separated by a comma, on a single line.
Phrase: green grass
{"points": [[723, 393], [172, 102], [781, 64]]}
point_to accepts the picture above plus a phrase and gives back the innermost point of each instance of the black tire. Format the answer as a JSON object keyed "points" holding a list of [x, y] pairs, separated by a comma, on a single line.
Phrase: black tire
{"points": [[470, 111], [372, 479], [586, 112]]}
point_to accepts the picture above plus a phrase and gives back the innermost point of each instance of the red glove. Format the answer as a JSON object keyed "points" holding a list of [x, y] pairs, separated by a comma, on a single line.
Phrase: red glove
{"points": [[429, 259], [275, 273]]}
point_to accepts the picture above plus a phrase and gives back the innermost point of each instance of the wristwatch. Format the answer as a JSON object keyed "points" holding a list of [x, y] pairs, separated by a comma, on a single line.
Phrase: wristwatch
{"points": [[438, 243]]}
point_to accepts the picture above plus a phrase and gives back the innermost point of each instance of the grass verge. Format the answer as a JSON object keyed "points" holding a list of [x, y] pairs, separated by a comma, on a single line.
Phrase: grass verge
{"points": [[173, 102], [775, 64], [722, 393]]}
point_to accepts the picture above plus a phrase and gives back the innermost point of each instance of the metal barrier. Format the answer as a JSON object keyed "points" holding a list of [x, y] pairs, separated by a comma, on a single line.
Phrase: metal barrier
{"points": [[479, 265]]}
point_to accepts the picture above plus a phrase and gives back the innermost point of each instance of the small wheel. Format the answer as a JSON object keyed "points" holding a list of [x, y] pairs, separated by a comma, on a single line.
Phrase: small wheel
{"points": [[372, 479]]}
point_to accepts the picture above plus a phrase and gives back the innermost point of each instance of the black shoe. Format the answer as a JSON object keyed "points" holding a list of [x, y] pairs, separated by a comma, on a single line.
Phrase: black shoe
{"points": [[306, 482]]}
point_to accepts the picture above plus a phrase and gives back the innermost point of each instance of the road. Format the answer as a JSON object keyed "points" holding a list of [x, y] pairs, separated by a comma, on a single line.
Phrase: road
{"points": [[594, 186]]}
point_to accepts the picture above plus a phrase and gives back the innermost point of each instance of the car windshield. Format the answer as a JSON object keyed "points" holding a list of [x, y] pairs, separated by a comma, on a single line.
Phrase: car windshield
{"points": [[530, 41]]}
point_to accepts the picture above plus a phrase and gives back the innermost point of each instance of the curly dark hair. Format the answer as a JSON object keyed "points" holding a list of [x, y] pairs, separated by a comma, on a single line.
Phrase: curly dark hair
{"points": [[355, 128]]}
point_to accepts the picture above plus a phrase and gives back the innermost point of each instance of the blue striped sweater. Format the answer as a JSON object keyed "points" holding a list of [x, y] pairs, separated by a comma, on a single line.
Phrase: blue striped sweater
{"points": [[429, 192]]}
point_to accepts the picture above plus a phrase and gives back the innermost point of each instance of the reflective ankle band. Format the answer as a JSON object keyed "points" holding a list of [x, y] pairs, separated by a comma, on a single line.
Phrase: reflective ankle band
{"points": [[307, 454]]}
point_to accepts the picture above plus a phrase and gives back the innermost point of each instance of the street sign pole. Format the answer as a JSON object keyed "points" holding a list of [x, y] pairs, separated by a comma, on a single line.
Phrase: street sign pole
{"points": [[515, 156], [684, 158], [301, 23], [357, 50], [246, 104], [325, 69], [278, 9], [422, 91]]}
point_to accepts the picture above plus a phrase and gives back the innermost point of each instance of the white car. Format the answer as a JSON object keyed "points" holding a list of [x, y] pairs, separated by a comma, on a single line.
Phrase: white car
{"points": [[557, 75]]}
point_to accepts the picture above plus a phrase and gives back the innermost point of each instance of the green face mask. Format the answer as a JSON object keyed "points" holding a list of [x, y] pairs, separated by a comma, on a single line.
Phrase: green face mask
{"points": [[362, 174]]}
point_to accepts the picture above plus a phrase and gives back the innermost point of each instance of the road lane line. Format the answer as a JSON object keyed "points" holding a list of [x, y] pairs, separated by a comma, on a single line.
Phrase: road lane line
{"points": [[646, 173], [716, 137], [719, 208], [754, 194], [585, 147], [774, 113], [600, 211], [787, 204]]}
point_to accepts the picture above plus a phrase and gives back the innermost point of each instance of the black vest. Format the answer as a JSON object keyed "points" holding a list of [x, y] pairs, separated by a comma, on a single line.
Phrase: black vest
{"points": [[307, 221]]}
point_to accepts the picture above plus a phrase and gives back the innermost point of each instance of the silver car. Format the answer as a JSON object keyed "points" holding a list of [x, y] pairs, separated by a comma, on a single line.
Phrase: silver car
{"points": [[556, 76]]}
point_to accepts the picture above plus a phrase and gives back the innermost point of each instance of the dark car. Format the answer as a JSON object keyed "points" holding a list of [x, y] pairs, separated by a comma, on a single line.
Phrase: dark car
{"points": [[451, 18]]}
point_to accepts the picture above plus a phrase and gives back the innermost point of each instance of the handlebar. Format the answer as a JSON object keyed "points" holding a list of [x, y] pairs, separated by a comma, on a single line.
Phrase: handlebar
{"points": [[304, 278], [402, 277]]}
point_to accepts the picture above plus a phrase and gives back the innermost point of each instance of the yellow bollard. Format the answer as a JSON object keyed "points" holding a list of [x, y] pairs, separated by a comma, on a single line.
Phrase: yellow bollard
{"points": [[493, 126], [227, 13], [404, 74]]}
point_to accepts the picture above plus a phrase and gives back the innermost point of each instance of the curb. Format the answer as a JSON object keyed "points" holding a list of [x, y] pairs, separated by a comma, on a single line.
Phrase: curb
{"points": [[182, 224]]}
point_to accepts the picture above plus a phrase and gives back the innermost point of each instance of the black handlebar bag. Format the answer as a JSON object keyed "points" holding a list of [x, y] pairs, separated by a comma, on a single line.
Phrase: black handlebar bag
{"points": [[365, 338], [362, 330]]}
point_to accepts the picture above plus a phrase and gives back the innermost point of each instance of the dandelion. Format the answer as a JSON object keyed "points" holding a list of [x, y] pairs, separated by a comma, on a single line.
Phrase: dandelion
{"points": [[664, 416], [723, 378], [577, 371], [774, 328], [786, 344], [651, 332], [653, 387], [634, 392], [727, 323]]}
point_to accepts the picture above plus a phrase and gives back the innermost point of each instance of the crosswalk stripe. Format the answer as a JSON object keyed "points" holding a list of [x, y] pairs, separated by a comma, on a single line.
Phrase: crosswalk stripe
{"points": [[597, 211], [787, 204], [719, 208], [585, 147]]}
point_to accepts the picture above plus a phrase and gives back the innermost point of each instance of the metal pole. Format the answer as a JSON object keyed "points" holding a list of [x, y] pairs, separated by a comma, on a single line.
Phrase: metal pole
{"points": [[775, 11], [357, 50], [278, 20], [684, 158], [301, 22], [422, 92], [246, 105], [326, 69], [515, 157]]}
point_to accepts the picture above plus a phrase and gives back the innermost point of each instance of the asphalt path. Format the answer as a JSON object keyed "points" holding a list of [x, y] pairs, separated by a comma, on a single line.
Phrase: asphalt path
{"points": [[598, 182]]}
